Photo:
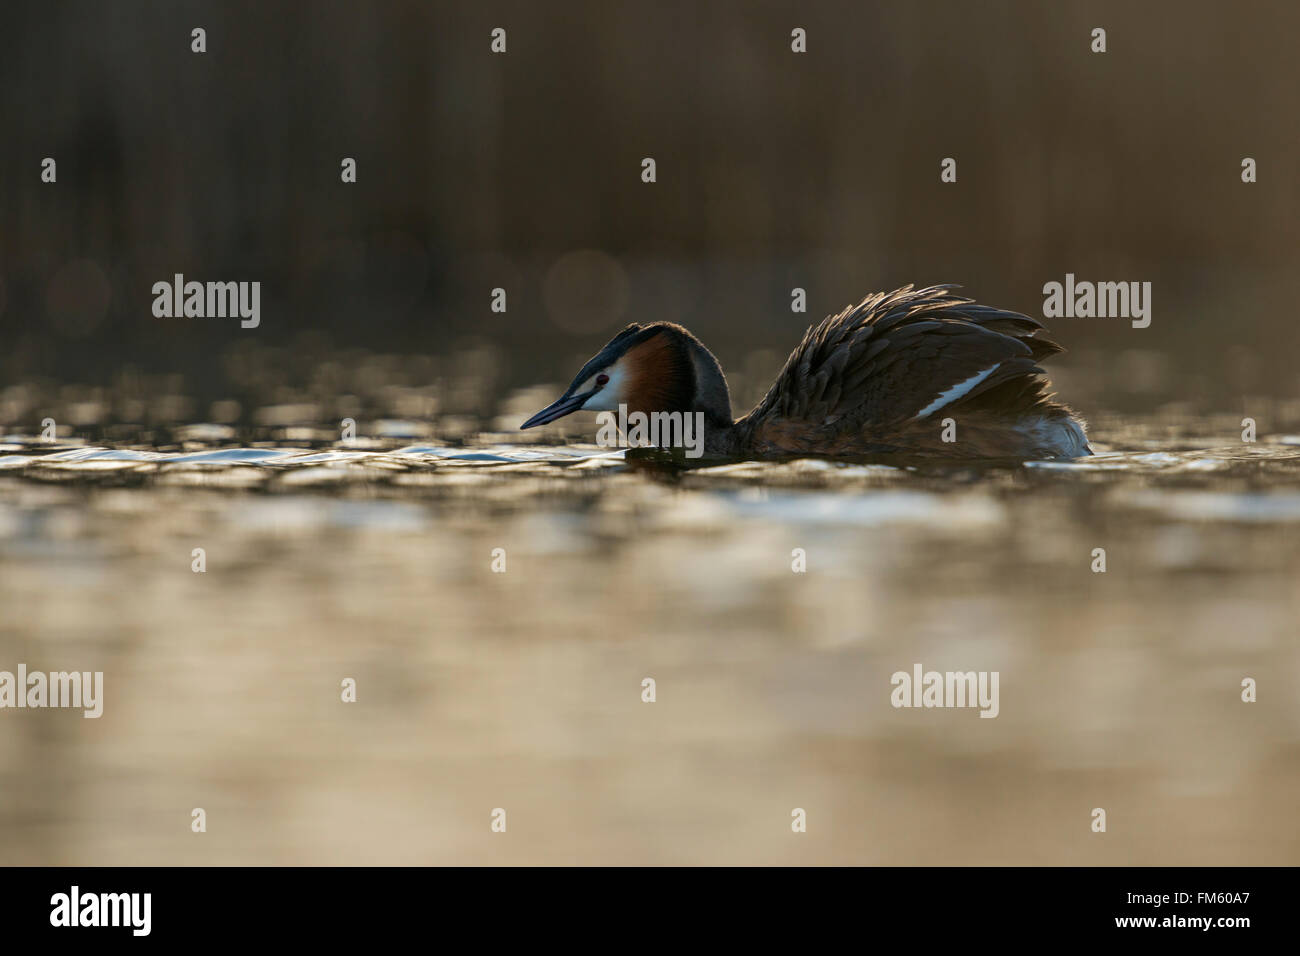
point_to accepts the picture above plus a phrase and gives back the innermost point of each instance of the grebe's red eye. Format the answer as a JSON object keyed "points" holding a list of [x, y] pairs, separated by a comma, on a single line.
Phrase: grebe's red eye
{"points": [[602, 378]]}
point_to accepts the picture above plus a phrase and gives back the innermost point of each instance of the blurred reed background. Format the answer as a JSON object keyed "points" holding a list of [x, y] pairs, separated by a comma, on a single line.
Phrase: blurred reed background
{"points": [[521, 171]]}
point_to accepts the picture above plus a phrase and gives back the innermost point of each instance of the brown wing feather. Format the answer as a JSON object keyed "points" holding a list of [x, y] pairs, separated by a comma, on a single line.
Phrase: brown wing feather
{"points": [[886, 359]]}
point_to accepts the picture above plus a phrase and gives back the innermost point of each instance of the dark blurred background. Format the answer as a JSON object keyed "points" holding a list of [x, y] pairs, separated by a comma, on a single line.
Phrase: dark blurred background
{"points": [[522, 171]]}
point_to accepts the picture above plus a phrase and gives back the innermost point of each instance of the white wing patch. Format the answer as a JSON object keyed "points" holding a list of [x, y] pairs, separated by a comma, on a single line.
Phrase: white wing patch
{"points": [[957, 391]]}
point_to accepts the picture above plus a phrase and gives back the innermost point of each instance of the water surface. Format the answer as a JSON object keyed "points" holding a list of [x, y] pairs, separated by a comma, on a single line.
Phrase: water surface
{"points": [[522, 689]]}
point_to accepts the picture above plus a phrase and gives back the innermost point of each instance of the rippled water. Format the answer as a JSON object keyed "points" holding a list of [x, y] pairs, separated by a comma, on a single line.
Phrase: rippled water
{"points": [[522, 689]]}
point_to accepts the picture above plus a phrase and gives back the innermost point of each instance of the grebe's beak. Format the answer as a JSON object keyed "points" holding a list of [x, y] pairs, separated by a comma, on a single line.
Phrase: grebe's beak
{"points": [[566, 404]]}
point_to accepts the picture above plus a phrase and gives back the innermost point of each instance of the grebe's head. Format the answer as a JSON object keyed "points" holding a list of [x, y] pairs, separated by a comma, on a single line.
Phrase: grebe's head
{"points": [[647, 368]]}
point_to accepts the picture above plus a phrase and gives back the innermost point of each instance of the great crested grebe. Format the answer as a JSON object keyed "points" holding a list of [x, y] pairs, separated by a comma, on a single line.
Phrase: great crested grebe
{"points": [[913, 371]]}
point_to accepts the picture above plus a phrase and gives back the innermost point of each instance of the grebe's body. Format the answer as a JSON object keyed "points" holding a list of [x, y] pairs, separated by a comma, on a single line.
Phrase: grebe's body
{"points": [[914, 371]]}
